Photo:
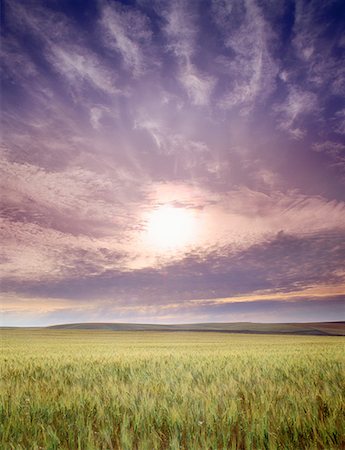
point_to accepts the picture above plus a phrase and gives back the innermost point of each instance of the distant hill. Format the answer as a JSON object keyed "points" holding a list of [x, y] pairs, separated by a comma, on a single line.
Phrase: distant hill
{"points": [[309, 328]]}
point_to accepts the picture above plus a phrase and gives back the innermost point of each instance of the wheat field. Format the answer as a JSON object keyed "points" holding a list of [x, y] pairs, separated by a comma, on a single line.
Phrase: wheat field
{"points": [[164, 390]]}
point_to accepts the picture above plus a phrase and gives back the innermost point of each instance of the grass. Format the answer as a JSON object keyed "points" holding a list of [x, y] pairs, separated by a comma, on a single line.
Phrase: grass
{"points": [[150, 390]]}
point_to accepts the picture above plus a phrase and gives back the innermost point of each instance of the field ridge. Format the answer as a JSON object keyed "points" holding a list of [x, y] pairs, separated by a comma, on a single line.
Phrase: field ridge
{"points": [[307, 328]]}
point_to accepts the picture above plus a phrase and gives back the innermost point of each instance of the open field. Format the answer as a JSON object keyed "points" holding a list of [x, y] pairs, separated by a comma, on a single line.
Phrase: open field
{"points": [[89, 389]]}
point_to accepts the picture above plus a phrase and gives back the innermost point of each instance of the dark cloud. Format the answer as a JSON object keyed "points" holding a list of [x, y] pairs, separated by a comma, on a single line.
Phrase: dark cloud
{"points": [[281, 265]]}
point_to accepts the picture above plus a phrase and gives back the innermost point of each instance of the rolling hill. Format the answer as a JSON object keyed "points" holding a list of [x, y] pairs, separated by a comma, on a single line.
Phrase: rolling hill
{"points": [[309, 328]]}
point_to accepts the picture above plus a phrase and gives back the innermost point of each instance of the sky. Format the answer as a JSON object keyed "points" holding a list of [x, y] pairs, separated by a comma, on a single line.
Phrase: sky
{"points": [[172, 161]]}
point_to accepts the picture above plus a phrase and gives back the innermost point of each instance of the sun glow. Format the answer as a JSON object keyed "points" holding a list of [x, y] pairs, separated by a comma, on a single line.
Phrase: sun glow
{"points": [[171, 228]]}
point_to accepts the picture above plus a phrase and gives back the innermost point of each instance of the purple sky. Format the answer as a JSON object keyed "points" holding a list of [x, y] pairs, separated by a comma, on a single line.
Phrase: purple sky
{"points": [[173, 161]]}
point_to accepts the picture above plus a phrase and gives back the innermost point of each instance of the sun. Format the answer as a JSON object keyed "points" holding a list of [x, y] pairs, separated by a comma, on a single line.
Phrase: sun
{"points": [[170, 228]]}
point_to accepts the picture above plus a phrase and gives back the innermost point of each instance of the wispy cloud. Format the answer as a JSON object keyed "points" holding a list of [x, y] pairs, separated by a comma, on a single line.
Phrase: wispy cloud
{"points": [[250, 66], [199, 87], [79, 65], [335, 152], [297, 106], [99, 112], [181, 30], [318, 56], [190, 156], [340, 121], [63, 46], [314, 70], [127, 32]]}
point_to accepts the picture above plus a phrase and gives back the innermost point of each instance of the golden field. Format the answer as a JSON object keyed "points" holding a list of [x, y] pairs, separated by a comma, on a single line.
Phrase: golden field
{"points": [[75, 389]]}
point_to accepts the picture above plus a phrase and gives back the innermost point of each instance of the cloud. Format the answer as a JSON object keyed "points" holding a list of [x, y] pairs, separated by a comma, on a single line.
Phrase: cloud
{"points": [[250, 66], [73, 201], [127, 32], [190, 156], [78, 65], [340, 121], [293, 111], [181, 30], [109, 206], [26, 311], [172, 147], [97, 113], [282, 262], [306, 273], [334, 150], [313, 70], [315, 46], [118, 109], [199, 87], [63, 45], [292, 212], [35, 254], [12, 57]]}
